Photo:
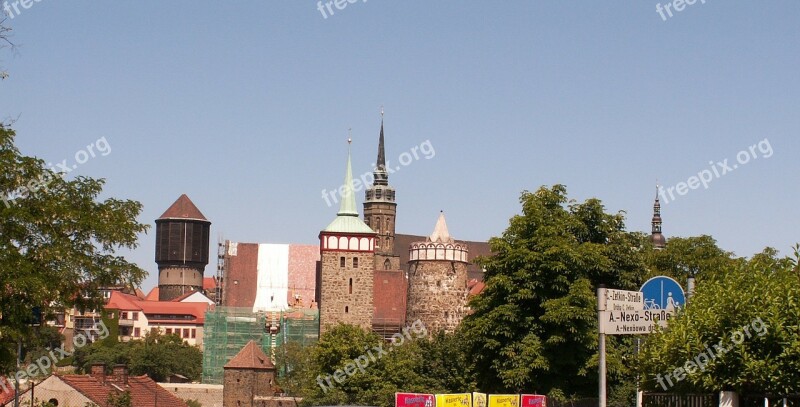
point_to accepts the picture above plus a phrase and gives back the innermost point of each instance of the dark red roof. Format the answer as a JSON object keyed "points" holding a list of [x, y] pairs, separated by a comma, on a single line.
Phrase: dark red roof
{"points": [[183, 208], [209, 283], [144, 391], [250, 357]]}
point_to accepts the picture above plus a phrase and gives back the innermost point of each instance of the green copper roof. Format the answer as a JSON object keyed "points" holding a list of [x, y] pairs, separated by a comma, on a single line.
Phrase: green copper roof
{"points": [[347, 220]]}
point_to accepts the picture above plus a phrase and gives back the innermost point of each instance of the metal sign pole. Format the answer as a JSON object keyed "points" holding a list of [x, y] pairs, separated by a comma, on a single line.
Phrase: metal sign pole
{"points": [[601, 297]]}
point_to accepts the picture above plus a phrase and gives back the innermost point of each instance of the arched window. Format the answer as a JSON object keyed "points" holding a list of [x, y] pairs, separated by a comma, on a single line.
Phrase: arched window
{"points": [[387, 265], [378, 224]]}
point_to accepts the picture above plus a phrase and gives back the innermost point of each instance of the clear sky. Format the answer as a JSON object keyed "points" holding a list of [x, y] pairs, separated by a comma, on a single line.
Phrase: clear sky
{"points": [[245, 106]]}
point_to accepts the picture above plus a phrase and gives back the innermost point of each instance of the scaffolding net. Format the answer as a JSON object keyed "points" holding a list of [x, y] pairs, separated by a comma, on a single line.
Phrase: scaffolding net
{"points": [[227, 330]]}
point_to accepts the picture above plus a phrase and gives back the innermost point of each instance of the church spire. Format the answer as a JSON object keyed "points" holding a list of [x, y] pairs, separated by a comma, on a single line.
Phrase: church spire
{"points": [[381, 176], [348, 204], [658, 240]]}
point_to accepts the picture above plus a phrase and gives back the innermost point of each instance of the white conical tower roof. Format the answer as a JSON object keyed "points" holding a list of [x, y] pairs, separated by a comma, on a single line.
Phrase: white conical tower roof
{"points": [[440, 232]]}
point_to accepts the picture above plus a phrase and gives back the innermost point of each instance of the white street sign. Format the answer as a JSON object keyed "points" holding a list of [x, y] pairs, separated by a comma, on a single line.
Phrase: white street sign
{"points": [[633, 322], [621, 300]]}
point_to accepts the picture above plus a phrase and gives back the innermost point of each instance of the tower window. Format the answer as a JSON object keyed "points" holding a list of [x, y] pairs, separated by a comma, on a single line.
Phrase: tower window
{"points": [[351, 286], [341, 262], [355, 262], [387, 265], [346, 309]]}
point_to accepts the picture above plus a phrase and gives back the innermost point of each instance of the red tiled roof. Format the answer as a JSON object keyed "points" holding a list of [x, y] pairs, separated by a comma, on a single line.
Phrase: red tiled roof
{"points": [[475, 287], [127, 302], [209, 283], [144, 391], [152, 295], [123, 302], [250, 357], [195, 309], [183, 208]]}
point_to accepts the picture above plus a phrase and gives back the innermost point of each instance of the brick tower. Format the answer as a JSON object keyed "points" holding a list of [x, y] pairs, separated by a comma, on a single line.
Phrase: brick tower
{"points": [[380, 212], [437, 280], [347, 264], [249, 378], [182, 238]]}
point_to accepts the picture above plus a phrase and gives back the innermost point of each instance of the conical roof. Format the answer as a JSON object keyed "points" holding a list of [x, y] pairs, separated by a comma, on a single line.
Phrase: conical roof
{"points": [[183, 208], [347, 220], [250, 357], [440, 232]]}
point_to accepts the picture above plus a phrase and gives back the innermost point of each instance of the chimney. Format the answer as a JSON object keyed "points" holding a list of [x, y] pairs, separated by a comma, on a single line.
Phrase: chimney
{"points": [[99, 372], [121, 374]]}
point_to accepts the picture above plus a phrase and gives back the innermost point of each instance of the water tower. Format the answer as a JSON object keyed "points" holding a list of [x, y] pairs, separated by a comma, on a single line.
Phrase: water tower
{"points": [[182, 239]]}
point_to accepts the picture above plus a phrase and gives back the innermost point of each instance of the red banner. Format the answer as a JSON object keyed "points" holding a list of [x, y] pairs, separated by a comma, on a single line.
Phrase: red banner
{"points": [[414, 400], [531, 400]]}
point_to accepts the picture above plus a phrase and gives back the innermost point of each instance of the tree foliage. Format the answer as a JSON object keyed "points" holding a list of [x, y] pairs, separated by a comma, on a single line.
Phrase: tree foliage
{"points": [[158, 356], [434, 364], [58, 242], [534, 327], [740, 332]]}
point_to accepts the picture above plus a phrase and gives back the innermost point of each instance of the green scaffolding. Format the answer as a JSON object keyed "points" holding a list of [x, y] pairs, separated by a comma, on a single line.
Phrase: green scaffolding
{"points": [[227, 330]]}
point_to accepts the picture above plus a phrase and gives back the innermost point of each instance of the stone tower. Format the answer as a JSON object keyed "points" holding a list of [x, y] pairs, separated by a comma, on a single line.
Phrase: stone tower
{"points": [[380, 212], [347, 264], [182, 238], [437, 280], [249, 378], [658, 239]]}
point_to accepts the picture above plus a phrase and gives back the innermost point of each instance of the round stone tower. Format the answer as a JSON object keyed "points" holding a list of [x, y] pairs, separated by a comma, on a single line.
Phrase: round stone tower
{"points": [[182, 239], [437, 280]]}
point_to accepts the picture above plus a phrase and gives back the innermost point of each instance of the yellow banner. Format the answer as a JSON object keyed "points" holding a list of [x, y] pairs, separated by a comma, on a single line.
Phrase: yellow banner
{"points": [[504, 400], [478, 399], [454, 400]]}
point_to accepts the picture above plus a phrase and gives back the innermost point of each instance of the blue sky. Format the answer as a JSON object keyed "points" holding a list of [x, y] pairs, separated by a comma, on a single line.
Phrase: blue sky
{"points": [[245, 107]]}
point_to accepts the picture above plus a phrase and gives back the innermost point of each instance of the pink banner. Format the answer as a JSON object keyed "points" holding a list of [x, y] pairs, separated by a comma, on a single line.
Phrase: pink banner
{"points": [[531, 400], [414, 400]]}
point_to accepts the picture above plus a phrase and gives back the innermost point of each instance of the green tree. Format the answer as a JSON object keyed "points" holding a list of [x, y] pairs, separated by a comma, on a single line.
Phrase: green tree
{"points": [[534, 327], [58, 243], [740, 332]]}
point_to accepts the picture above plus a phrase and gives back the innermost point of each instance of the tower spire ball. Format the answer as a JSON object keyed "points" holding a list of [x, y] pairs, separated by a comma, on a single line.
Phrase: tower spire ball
{"points": [[350, 136]]}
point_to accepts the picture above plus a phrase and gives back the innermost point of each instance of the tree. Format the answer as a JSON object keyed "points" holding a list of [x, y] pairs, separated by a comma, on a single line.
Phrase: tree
{"points": [[157, 356], [534, 327], [58, 243], [740, 332]]}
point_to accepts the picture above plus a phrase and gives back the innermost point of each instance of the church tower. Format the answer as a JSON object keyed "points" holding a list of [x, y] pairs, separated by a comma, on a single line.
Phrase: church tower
{"points": [[182, 238], [658, 240], [380, 211], [437, 280], [347, 251]]}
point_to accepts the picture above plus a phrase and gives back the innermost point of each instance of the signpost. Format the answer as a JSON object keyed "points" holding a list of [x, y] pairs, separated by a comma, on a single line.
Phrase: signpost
{"points": [[622, 312]]}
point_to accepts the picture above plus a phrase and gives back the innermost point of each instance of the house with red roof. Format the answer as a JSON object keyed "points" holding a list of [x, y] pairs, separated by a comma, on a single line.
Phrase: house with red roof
{"points": [[98, 387], [138, 317]]}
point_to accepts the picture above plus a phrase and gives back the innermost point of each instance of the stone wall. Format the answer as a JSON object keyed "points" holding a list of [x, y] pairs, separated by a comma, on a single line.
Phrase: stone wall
{"points": [[243, 386], [175, 281], [346, 293], [437, 294]]}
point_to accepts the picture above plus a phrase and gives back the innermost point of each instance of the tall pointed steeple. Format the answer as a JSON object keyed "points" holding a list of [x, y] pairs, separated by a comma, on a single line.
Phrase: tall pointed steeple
{"points": [[347, 220], [658, 239], [380, 207], [348, 205], [381, 176]]}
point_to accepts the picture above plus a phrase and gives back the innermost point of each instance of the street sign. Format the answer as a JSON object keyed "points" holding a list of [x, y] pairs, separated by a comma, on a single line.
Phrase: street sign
{"points": [[632, 322], [621, 300], [663, 293]]}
